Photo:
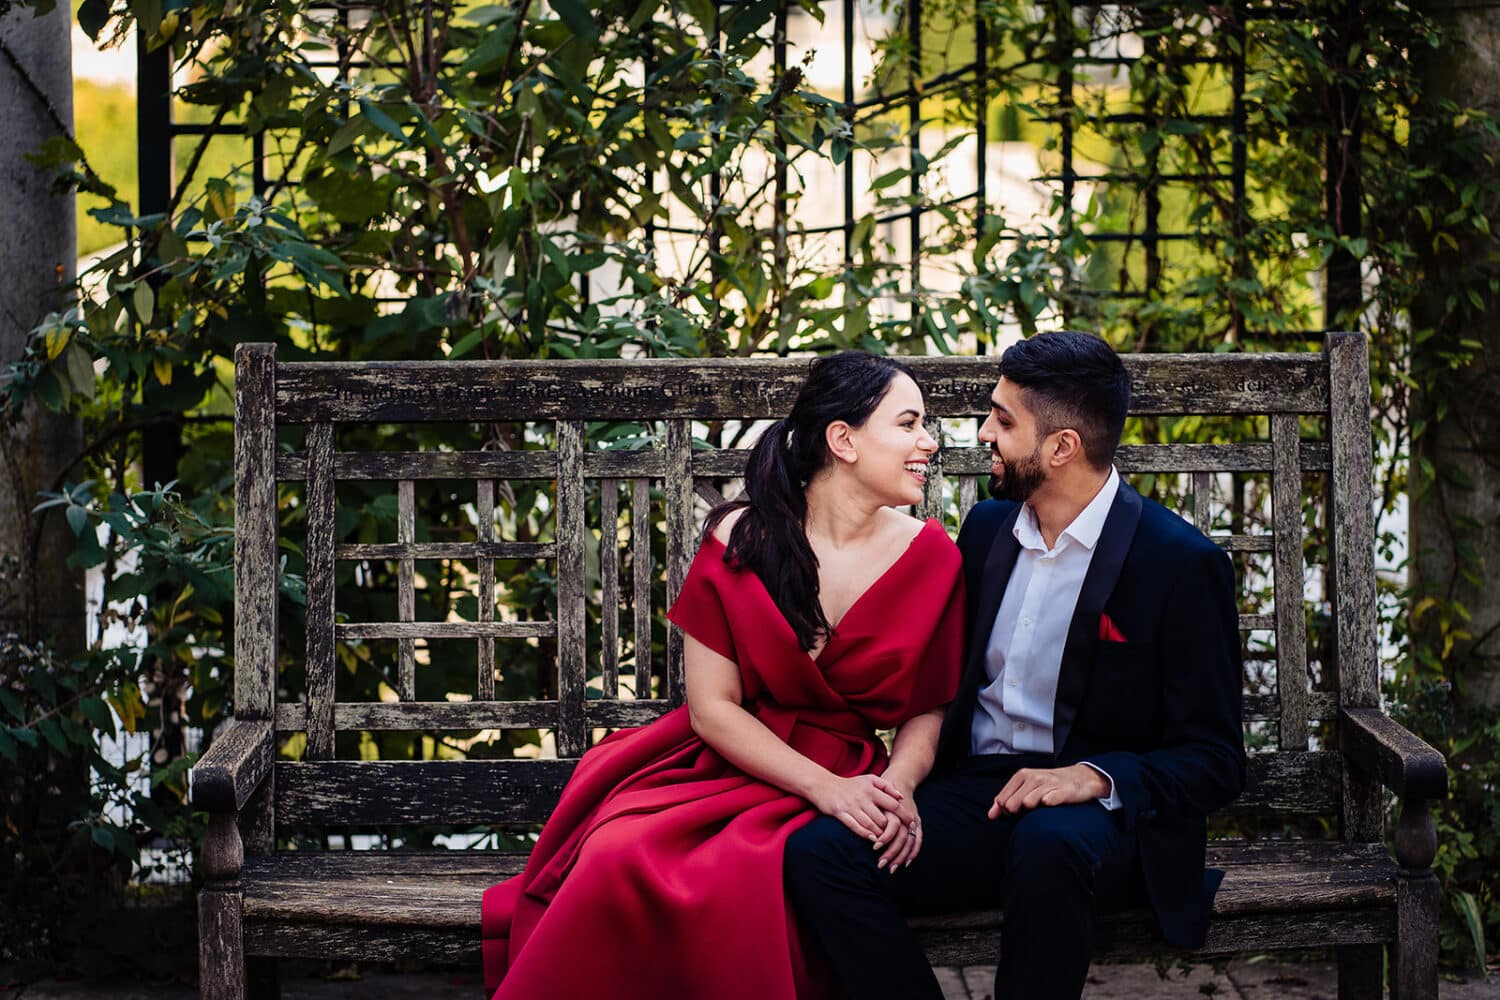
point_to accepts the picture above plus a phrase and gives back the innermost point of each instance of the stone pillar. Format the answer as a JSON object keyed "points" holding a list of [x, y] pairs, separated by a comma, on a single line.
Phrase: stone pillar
{"points": [[40, 596], [1467, 438]]}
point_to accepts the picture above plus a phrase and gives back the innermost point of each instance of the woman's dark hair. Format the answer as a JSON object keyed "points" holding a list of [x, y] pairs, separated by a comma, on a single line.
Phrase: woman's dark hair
{"points": [[1071, 379], [770, 538]]}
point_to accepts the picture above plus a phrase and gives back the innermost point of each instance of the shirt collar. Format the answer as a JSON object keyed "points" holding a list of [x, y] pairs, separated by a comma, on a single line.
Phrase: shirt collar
{"points": [[1086, 527]]}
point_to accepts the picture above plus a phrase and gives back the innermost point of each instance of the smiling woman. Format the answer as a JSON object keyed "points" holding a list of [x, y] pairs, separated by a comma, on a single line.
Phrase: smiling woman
{"points": [[791, 666]]}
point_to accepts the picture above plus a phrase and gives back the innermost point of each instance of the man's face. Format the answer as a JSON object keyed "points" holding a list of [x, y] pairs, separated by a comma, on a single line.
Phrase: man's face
{"points": [[1016, 469]]}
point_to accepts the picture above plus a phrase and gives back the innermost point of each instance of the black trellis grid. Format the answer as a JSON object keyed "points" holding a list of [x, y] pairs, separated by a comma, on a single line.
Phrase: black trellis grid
{"points": [[157, 130]]}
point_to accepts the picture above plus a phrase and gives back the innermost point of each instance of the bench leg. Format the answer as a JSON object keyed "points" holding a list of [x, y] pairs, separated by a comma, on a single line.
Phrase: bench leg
{"points": [[265, 983], [221, 945], [1414, 956], [1361, 972]]}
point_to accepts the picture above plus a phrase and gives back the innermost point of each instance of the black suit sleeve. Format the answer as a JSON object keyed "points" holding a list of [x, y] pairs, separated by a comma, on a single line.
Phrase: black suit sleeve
{"points": [[1198, 764]]}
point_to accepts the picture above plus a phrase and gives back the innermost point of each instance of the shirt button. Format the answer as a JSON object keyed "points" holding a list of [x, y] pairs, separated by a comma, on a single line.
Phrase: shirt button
{"points": [[1025, 621], [1010, 684], [1020, 725]]}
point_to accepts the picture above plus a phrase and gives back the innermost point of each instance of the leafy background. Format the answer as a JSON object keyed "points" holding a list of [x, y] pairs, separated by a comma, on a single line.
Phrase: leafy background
{"points": [[528, 181]]}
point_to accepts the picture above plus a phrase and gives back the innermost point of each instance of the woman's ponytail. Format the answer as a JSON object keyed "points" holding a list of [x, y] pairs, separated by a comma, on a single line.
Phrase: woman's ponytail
{"points": [[769, 537]]}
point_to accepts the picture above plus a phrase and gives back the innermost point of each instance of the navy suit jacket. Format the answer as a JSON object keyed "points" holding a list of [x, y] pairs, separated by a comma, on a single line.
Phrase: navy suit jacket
{"points": [[1160, 712]]}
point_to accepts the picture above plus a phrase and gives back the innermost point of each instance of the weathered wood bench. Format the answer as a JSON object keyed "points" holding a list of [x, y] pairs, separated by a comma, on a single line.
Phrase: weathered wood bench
{"points": [[1316, 874]]}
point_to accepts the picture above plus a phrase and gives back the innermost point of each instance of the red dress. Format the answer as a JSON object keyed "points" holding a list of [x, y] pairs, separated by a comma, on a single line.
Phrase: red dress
{"points": [[659, 872]]}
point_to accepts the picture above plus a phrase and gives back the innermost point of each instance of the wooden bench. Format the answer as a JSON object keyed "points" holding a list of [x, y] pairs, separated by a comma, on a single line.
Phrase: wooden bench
{"points": [[1316, 873]]}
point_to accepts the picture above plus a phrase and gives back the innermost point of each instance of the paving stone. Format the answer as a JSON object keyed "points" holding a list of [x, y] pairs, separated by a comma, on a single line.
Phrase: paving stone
{"points": [[1137, 981], [1243, 979], [1266, 977], [952, 982]]}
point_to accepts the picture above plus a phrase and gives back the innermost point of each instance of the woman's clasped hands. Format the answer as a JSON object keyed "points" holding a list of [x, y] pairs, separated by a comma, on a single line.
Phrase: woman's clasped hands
{"points": [[878, 810]]}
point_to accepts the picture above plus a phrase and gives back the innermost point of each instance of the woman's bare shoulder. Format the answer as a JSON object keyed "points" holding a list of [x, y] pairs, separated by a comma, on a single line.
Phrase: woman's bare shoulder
{"points": [[901, 525], [725, 526]]}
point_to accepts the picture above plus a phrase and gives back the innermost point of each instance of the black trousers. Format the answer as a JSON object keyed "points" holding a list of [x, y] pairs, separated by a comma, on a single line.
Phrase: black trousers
{"points": [[1052, 870]]}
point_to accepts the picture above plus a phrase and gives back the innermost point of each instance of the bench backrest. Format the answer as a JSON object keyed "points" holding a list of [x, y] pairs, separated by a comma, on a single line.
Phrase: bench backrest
{"points": [[1305, 453]]}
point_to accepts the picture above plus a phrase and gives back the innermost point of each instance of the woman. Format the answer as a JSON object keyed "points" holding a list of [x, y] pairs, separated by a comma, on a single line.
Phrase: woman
{"points": [[813, 615]]}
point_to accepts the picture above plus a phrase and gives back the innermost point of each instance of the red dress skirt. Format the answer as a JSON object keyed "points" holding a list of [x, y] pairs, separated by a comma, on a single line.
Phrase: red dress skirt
{"points": [[658, 875]]}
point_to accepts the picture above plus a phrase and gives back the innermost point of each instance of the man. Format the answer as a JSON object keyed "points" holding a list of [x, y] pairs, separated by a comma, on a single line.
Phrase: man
{"points": [[1096, 725]]}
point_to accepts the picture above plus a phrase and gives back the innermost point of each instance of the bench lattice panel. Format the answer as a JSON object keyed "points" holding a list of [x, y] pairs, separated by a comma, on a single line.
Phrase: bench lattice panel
{"points": [[670, 399]]}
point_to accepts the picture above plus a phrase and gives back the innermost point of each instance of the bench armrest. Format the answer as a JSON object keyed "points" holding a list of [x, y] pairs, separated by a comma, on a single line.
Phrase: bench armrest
{"points": [[238, 761], [1381, 746]]}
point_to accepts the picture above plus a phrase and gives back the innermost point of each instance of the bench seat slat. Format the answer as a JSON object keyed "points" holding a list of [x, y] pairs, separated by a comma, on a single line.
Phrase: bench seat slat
{"points": [[1120, 936], [1132, 935], [427, 889]]}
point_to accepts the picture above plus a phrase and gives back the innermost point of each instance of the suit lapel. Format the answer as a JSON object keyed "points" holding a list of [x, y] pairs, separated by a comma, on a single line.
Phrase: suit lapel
{"points": [[993, 581], [993, 578], [1083, 631]]}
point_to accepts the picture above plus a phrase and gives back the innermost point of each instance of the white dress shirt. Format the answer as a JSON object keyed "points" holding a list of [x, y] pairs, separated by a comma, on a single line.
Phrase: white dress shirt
{"points": [[1024, 655]]}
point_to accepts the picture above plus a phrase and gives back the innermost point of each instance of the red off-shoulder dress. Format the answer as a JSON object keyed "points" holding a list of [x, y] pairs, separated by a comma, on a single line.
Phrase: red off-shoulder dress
{"points": [[659, 873]]}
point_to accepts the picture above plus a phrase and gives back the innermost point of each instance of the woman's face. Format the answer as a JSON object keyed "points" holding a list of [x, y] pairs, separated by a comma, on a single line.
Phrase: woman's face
{"points": [[892, 448]]}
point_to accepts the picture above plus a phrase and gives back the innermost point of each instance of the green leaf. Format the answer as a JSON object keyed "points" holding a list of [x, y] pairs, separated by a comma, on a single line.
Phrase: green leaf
{"points": [[466, 343], [120, 215], [558, 258], [642, 14], [381, 120], [346, 133], [577, 17], [1468, 908], [1177, 126], [148, 19], [53, 734], [104, 836], [99, 714], [12, 704], [23, 735], [75, 733], [56, 338], [58, 151], [144, 301], [490, 54], [80, 369], [78, 519], [862, 231], [886, 180], [748, 19], [93, 15], [171, 246], [8, 747]]}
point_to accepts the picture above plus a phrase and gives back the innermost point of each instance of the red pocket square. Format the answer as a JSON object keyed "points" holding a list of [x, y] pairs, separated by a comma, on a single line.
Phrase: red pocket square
{"points": [[1108, 632]]}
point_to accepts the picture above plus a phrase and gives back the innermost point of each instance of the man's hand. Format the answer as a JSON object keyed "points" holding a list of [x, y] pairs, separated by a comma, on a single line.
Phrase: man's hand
{"points": [[1058, 786]]}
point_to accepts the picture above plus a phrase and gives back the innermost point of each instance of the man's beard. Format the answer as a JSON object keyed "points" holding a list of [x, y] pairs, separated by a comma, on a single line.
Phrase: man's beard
{"points": [[1021, 478]]}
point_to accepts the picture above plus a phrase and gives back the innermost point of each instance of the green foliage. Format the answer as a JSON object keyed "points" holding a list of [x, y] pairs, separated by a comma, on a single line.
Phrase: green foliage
{"points": [[1468, 823], [87, 822], [572, 180]]}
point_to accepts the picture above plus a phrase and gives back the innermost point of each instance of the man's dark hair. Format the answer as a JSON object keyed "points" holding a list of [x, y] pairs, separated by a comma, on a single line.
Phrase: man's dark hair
{"points": [[1076, 380]]}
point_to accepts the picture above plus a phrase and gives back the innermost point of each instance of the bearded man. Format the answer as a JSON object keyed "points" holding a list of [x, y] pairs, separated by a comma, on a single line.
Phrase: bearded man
{"points": [[1097, 725]]}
